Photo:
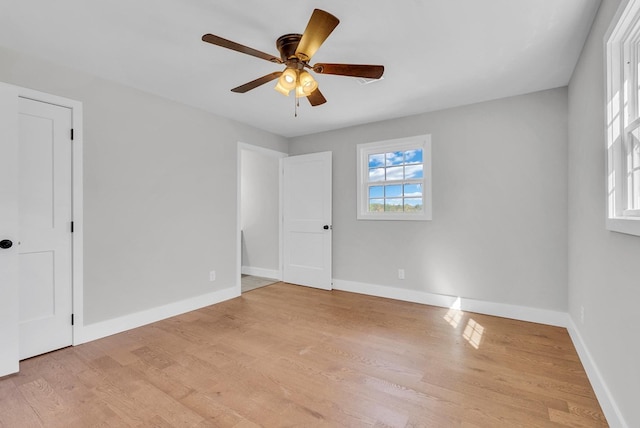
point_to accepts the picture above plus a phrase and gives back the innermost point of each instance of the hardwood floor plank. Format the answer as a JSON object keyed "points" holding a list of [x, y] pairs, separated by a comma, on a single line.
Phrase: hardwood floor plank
{"points": [[285, 355], [215, 414], [44, 400], [16, 411], [170, 385], [570, 419]]}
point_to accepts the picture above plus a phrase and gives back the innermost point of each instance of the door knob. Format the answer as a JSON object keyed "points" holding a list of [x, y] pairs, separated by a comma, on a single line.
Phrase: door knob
{"points": [[5, 243], [325, 227]]}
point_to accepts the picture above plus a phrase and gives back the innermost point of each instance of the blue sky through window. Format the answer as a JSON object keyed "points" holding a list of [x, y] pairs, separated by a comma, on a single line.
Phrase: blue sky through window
{"points": [[376, 160], [376, 192], [413, 156], [413, 171], [412, 190], [395, 158], [393, 191], [396, 166]]}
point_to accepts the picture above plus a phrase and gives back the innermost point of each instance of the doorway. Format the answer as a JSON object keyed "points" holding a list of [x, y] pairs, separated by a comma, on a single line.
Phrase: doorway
{"points": [[259, 216]]}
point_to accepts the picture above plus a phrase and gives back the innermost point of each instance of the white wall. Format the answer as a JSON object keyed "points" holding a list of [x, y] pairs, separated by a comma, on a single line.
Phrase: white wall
{"points": [[499, 228], [260, 213], [159, 190], [604, 267]]}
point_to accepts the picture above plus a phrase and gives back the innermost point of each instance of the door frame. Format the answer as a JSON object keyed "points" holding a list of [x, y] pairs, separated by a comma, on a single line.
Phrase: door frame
{"points": [[77, 201], [271, 153]]}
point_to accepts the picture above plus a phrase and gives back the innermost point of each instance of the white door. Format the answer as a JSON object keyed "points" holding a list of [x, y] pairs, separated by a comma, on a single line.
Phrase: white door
{"points": [[44, 249], [307, 220], [8, 230]]}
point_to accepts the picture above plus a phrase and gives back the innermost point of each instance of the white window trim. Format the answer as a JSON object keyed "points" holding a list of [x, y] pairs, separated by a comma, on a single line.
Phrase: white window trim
{"points": [[619, 218], [363, 151]]}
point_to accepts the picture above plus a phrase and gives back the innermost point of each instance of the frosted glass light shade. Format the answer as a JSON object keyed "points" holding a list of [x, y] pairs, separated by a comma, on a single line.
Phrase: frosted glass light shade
{"points": [[307, 83], [287, 81], [281, 89], [300, 92]]}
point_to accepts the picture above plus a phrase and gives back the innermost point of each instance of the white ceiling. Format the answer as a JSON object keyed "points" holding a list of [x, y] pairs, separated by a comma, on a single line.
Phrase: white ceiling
{"points": [[436, 53]]}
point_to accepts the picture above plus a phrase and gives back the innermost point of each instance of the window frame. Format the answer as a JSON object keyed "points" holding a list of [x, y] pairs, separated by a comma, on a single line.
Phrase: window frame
{"points": [[622, 115], [401, 144]]}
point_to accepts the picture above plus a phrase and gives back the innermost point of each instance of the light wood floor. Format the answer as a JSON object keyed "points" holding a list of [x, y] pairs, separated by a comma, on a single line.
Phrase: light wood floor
{"points": [[285, 355]]}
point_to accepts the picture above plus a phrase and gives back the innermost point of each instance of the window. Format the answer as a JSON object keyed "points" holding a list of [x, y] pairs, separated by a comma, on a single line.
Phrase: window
{"points": [[394, 179], [623, 120]]}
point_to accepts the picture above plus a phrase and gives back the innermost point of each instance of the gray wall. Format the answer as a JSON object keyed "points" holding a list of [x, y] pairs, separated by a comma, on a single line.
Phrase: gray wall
{"points": [[159, 190], [604, 267], [499, 228], [260, 210]]}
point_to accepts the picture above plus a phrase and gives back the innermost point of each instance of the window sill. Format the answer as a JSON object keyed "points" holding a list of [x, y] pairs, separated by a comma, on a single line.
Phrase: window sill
{"points": [[628, 225]]}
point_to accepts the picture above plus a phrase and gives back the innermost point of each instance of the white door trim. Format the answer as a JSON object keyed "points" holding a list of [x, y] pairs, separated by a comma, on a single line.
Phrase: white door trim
{"points": [[77, 238], [267, 152]]}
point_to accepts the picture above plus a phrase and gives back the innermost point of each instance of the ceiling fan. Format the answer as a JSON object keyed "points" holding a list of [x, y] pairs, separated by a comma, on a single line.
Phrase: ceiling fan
{"points": [[296, 51]]}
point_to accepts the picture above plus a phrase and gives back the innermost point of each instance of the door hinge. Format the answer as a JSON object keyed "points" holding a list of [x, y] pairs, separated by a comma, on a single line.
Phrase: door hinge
{"points": [[71, 227], [72, 320], [71, 134]]}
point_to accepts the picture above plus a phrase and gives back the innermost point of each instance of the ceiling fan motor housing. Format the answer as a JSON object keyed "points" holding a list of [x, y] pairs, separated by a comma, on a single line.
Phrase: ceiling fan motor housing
{"points": [[287, 46]]}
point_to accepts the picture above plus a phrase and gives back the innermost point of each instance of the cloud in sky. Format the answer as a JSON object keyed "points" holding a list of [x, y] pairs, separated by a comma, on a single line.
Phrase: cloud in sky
{"points": [[413, 171], [376, 160]]}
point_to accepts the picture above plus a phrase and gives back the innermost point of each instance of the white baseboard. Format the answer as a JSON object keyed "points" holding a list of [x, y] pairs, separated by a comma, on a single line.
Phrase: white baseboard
{"points": [[265, 273], [102, 329], [523, 313], [608, 404]]}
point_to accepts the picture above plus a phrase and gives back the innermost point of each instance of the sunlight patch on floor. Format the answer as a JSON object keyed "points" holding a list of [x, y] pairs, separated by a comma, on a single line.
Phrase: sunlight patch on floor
{"points": [[454, 315], [473, 331]]}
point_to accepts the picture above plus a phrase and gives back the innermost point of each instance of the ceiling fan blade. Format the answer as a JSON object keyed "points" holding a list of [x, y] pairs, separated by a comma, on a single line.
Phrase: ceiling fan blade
{"points": [[320, 25], [353, 70], [316, 98], [255, 83], [219, 41]]}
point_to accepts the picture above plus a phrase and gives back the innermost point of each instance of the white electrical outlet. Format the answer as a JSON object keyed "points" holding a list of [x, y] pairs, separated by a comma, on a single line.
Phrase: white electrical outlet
{"points": [[212, 275], [581, 314], [400, 273]]}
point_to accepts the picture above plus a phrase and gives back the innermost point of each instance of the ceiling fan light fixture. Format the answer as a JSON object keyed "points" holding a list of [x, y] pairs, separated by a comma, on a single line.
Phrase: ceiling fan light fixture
{"points": [[307, 83], [289, 76], [282, 89], [288, 79], [300, 93]]}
